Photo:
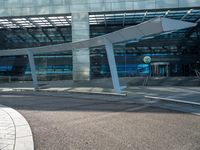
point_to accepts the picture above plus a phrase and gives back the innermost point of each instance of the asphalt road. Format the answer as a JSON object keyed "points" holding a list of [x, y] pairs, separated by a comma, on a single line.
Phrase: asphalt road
{"points": [[60, 123]]}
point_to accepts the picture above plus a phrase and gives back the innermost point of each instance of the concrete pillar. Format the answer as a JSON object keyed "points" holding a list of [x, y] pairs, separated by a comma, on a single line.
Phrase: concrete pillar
{"points": [[81, 57]]}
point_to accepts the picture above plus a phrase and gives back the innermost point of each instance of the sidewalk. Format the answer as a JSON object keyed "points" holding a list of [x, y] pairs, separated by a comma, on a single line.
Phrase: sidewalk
{"points": [[15, 132]]}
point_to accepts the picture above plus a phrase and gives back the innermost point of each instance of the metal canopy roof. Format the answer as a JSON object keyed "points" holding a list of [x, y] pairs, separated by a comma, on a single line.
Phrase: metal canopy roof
{"points": [[32, 31], [124, 18], [35, 22], [148, 28]]}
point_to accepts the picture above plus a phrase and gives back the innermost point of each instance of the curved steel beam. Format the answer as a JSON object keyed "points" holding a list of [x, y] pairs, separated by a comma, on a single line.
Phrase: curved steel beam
{"points": [[148, 28]]}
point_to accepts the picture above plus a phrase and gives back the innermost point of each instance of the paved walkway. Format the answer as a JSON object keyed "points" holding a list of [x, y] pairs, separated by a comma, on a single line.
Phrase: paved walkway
{"points": [[15, 132], [7, 131]]}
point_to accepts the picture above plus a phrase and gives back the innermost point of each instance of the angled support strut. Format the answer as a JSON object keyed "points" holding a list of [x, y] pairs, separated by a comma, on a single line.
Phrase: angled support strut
{"points": [[33, 70], [112, 65]]}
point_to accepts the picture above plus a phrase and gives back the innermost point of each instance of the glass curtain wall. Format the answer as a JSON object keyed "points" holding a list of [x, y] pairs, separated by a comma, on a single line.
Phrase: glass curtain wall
{"points": [[174, 49], [48, 66], [179, 49]]}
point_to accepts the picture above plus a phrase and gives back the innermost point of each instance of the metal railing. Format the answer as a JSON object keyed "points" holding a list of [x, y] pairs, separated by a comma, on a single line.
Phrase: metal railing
{"points": [[145, 81], [197, 73]]}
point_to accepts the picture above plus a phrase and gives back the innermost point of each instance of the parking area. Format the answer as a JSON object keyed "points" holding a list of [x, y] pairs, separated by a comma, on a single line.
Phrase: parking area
{"points": [[84, 121]]}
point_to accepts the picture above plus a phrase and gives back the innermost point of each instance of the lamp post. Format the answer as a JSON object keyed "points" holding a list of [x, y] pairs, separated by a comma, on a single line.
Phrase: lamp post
{"points": [[147, 60]]}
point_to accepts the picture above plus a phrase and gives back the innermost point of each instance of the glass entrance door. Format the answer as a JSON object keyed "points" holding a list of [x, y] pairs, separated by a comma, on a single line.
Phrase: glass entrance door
{"points": [[160, 69]]}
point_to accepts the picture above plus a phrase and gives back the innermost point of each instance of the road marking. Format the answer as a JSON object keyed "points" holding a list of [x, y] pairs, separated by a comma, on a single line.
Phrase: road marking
{"points": [[173, 100]]}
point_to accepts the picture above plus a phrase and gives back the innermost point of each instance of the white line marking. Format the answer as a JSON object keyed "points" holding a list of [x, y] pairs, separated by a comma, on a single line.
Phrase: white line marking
{"points": [[173, 100]]}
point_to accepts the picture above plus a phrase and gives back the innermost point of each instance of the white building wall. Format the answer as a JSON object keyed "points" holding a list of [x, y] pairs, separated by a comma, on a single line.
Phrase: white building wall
{"points": [[41, 7]]}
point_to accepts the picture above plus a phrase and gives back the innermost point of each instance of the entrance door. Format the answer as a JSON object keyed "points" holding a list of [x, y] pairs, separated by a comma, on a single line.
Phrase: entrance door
{"points": [[160, 69]]}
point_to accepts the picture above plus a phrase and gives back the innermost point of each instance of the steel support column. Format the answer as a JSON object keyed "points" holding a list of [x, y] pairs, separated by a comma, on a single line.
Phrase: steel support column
{"points": [[112, 65], [33, 70]]}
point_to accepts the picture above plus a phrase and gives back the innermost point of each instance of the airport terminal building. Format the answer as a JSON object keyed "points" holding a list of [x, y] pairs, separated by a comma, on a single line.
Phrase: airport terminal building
{"points": [[36, 23]]}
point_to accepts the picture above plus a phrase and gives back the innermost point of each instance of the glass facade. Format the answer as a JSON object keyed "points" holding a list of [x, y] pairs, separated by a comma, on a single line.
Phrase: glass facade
{"points": [[180, 50], [51, 23]]}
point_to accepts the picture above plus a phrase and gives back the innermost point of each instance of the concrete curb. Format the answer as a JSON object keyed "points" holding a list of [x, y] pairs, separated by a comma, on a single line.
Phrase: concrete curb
{"points": [[98, 93], [63, 90], [23, 133]]}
